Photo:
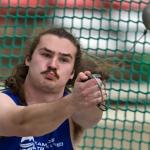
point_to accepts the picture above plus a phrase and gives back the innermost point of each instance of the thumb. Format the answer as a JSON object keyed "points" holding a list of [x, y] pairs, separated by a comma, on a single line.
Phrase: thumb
{"points": [[82, 76]]}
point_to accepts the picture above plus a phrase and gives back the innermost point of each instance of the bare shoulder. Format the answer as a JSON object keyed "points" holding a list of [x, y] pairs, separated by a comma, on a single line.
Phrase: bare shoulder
{"points": [[6, 106], [5, 100], [7, 110], [76, 132]]}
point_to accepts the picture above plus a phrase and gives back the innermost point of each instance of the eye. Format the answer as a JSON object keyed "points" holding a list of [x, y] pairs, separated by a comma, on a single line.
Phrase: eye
{"points": [[47, 55], [64, 60]]}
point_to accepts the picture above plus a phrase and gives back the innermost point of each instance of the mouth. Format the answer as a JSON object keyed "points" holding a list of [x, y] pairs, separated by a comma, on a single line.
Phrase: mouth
{"points": [[51, 75]]}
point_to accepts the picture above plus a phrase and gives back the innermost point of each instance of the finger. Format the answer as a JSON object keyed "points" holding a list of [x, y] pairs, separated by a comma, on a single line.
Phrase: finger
{"points": [[81, 77], [88, 73], [91, 88], [99, 97], [92, 102], [103, 92]]}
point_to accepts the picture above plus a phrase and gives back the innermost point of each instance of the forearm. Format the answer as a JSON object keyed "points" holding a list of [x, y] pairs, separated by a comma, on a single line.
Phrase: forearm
{"points": [[40, 119], [87, 118]]}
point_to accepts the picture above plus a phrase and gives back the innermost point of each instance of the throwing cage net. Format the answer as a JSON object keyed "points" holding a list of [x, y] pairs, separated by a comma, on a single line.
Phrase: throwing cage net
{"points": [[108, 30]]}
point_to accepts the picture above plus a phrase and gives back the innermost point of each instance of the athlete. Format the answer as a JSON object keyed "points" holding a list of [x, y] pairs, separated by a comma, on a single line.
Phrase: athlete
{"points": [[36, 110]]}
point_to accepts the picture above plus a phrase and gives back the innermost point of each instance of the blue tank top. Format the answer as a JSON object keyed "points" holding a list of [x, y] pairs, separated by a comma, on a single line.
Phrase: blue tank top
{"points": [[57, 140]]}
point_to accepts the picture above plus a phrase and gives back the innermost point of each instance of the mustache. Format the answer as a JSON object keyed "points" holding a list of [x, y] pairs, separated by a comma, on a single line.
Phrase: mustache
{"points": [[49, 69]]}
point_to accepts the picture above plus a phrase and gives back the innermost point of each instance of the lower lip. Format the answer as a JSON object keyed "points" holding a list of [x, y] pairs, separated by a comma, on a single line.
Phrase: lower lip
{"points": [[50, 76]]}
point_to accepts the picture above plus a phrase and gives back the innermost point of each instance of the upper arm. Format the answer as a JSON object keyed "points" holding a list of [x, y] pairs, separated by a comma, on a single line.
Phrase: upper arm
{"points": [[8, 115], [76, 132]]}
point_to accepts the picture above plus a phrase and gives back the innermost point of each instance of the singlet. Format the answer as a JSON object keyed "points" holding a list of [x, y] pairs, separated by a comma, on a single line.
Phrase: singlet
{"points": [[59, 139]]}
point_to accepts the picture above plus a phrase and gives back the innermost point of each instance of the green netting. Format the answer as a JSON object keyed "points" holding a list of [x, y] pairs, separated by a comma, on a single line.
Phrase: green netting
{"points": [[105, 28]]}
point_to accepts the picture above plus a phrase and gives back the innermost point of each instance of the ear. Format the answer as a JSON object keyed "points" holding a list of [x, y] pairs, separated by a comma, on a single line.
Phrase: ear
{"points": [[27, 60]]}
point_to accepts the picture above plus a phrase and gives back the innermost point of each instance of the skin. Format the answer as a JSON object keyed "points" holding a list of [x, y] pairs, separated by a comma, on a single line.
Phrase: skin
{"points": [[54, 55], [44, 93]]}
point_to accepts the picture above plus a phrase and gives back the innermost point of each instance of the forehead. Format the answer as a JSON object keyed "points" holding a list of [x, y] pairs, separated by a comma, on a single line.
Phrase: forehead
{"points": [[56, 43]]}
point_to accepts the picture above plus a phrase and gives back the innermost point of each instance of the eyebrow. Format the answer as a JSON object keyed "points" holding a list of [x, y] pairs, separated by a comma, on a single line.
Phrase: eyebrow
{"points": [[46, 49], [51, 51]]}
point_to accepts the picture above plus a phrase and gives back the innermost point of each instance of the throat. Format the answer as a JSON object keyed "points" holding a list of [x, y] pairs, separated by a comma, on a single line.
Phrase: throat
{"points": [[36, 94]]}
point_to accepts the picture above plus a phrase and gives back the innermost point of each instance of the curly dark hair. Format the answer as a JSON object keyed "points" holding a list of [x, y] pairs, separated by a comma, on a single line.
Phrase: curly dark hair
{"points": [[16, 80]]}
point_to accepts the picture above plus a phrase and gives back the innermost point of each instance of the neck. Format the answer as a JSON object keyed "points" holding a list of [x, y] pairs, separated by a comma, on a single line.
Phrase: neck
{"points": [[38, 95]]}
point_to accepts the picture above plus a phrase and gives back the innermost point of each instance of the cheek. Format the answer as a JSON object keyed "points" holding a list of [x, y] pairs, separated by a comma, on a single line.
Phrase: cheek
{"points": [[68, 73], [36, 61], [36, 66]]}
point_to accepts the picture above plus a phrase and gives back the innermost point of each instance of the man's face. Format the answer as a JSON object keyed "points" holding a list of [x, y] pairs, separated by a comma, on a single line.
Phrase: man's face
{"points": [[52, 62]]}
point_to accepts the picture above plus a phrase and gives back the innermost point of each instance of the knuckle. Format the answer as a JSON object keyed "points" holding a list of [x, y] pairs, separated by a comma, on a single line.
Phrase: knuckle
{"points": [[80, 87], [83, 94]]}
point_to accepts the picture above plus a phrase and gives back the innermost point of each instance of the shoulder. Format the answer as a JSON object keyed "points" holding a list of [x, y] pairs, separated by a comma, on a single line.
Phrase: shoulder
{"points": [[10, 95], [5, 98], [4, 95]]}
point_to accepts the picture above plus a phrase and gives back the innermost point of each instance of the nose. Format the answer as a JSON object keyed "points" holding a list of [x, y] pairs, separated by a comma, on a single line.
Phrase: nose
{"points": [[53, 63]]}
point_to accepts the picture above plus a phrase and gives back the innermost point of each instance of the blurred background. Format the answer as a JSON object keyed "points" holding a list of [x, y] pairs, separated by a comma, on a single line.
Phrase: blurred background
{"points": [[107, 29]]}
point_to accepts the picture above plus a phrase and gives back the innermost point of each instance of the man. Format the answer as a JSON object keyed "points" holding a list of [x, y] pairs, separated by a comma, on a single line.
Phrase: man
{"points": [[36, 112]]}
